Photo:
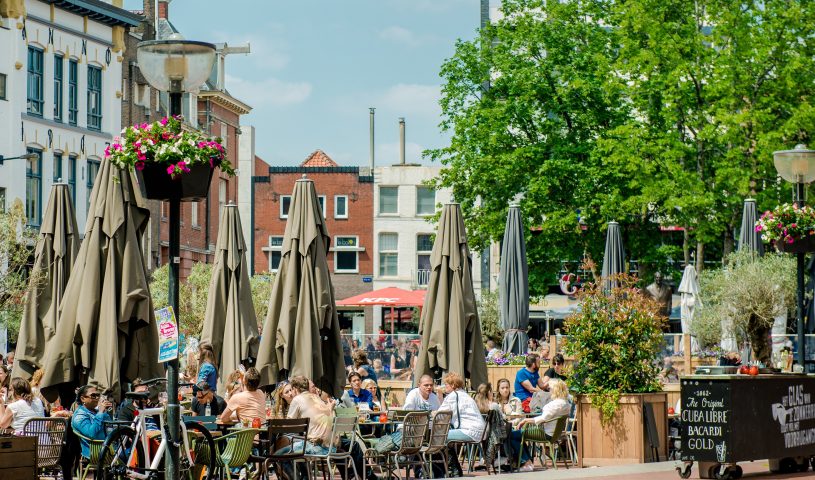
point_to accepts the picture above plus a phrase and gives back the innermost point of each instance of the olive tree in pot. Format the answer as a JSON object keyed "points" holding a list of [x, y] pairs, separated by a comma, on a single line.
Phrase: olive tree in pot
{"points": [[750, 291]]}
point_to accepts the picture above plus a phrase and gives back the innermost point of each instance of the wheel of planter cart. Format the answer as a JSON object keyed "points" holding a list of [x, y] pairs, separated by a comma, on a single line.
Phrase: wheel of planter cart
{"points": [[803, 467], [787, 465], [729, 473], [685, 470], [737, 472]]}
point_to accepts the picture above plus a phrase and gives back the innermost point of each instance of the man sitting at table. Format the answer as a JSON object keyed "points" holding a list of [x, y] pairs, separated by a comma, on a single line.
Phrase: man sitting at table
{"points": [[250, 403], [528, 381], [204, 396], [422, 397], [356, 394]]}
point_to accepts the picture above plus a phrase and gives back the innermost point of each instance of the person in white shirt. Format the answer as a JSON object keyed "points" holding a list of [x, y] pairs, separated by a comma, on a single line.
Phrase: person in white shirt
{"points": [[24, 406], [467, 424], [491, 349], [422, 397], [557, 407]]}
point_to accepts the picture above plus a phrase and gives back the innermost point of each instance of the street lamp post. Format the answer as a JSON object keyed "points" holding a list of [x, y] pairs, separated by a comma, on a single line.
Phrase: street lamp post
{"points": [[176, 66], [798, 166], [27, 156]]}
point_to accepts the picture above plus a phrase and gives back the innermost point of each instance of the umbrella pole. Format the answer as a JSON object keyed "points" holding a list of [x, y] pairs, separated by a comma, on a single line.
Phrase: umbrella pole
{"points": [[173, 409], [392, 332]]}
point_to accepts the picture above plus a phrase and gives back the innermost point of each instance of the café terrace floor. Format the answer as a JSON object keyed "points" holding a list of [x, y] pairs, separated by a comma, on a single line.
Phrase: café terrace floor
{"points": [[646, 471]]}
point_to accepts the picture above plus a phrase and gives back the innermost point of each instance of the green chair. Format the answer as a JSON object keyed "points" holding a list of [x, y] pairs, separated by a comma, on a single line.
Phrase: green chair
{"points": [[86, 464], [233, 451], [536, 434]]}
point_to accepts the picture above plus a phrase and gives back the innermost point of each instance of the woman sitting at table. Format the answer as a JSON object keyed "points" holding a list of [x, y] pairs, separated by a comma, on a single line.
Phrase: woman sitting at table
{"points": [[362, 366], [23, 406], [88, 419], [282, 397], [376, 394], [467, 424], [234, 384], [250, 403], [402, 362], [557, 407], [357, 394], [483, 398], [508, 403], [207, 371]]}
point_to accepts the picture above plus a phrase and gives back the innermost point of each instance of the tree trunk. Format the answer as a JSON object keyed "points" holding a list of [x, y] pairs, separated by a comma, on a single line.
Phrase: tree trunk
{"points": [[686, 245], [700, 257], [759, 332], [729, 242]]}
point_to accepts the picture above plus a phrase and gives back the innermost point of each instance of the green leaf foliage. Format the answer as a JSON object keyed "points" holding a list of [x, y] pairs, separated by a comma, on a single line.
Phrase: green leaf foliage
{"points": [[615, 339]]}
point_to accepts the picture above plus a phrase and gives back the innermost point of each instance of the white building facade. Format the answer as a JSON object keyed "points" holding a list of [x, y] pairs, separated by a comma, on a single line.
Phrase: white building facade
{"points": [[60, 97], [403, 232]]}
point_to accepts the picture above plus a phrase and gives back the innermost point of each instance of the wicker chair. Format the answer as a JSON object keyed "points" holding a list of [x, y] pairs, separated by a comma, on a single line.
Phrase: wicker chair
{"points": [[437, 444], [50, 433], [409, 453], [536, 434]]}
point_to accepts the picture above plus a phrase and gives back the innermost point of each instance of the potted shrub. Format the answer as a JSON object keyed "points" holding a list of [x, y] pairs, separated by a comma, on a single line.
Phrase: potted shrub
{"points": [[504, 365], [615, 338], [789, 227], [170, 162]]}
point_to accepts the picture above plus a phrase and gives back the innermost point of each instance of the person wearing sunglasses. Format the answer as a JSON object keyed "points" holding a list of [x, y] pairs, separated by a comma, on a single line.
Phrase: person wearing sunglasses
{"points": [[89, 416]]}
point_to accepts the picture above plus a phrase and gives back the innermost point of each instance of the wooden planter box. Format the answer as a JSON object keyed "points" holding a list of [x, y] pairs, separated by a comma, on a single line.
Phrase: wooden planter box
{"points": [[18, 458], [625, 440], [495, 373]]}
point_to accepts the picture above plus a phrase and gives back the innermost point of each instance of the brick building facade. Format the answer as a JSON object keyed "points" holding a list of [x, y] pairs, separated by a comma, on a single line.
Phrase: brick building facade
{"points": [[347, 200]]}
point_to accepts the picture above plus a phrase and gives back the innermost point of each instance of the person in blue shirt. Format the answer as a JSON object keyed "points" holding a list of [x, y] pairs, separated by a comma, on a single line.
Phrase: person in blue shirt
{"points": [[206, 365], [362, 366], [88, 418], [357, 394], [528, 381]]}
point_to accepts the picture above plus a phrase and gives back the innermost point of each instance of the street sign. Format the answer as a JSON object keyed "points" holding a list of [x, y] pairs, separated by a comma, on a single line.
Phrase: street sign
{"points": [[367, 279]]}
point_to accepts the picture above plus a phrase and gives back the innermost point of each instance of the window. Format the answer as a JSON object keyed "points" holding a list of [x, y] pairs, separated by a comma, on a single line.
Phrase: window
{"points": [[425, 201], [224, 136], [321, 199], [275, 251], [72, 178], [388, 200], [2, 86], [194, 214], [340, 206], [33, 189], [57, 167], [94, 97], [424, 245], [285, 203], [35, 85], [388, 254], [58, 62], [346, 252], [73, 91], [93, 169]]}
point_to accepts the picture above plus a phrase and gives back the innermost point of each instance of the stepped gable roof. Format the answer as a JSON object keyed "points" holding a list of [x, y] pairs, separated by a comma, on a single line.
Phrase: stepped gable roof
{"points": [[319, 159]]}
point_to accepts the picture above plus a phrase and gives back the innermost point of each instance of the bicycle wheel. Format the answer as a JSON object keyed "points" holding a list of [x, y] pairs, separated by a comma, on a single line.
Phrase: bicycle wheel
{"points": [[202, 451], [113, 460]]}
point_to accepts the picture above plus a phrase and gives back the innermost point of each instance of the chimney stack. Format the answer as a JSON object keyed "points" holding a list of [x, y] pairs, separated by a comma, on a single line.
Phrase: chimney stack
{"points": [[163, 9], [371, 123], [401, 140]]}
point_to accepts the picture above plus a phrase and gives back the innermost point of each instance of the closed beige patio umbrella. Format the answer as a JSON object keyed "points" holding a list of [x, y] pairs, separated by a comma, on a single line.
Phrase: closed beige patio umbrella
{"points": [[449, 326], [301, 333], [230, 324], [107, 331], [54, 256]]}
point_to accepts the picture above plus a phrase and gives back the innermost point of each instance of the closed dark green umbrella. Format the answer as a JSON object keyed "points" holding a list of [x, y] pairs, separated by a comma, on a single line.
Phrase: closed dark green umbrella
{"points": [[449, 326], [54, 256], [513, 284], [230, 324], [107, 330], [301, 333], [614, 256], [749, 238]]}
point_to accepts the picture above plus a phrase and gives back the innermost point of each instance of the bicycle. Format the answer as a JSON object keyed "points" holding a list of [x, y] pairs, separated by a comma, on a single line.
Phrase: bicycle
{"points": [[126, 453]]}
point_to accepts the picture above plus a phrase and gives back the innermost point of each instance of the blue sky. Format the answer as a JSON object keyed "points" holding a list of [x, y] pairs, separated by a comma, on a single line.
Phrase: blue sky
{"points": [[316, 67]]}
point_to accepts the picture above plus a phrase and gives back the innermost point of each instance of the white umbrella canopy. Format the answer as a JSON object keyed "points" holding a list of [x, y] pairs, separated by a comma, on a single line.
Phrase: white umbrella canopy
{"points": [[689, 291]]}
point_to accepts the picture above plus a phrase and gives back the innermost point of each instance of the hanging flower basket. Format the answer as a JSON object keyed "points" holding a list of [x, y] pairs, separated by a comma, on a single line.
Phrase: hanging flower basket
{"points": [[170, 162], [789, 227]]}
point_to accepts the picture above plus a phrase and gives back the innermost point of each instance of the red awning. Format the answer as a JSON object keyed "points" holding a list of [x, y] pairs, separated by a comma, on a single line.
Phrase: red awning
{"points": [[390, 296]]}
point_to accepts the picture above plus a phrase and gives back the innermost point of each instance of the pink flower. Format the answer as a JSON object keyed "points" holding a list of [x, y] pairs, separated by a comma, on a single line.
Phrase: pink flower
{"points": [[140, 165], [759, 228], [164, 121], [171, 169]]}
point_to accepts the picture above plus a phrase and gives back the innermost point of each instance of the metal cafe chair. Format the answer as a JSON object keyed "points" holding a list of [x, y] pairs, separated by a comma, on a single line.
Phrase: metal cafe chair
{"points": [[409, 453], [437, 443], [343, 426], [296, 429]]}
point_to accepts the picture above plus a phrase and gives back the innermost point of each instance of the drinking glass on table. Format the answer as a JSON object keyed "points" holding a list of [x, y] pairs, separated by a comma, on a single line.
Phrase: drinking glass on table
{"points": [[162, 398]]}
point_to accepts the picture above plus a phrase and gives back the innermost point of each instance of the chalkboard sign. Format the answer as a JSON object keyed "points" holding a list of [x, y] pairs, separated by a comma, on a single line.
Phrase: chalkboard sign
{"points": [[705, 423]]}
